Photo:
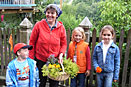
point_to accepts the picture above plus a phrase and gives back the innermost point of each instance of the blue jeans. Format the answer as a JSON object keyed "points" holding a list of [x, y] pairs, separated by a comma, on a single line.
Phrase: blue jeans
{"points": [[79, 80], [104, 79]]}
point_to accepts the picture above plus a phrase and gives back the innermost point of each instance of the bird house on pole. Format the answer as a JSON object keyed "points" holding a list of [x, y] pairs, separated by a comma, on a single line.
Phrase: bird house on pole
{"points": [[86, 25]]}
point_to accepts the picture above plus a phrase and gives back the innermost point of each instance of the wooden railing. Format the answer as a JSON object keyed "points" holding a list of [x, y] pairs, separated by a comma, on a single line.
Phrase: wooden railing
{"points": [[17, 3], [17, 6]]}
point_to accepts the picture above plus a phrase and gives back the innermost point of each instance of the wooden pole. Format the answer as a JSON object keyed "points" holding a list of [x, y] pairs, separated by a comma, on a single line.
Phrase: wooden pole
{"points": [[126, 60], [61, 4]]}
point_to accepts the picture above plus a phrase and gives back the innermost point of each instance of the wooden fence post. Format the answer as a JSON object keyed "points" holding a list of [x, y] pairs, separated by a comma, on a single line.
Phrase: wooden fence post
{"points": [[5, 47], [13, 36], [9, 32], [68, 38], [121, 40], [92, 68], [130, 79], [126, 58], [1, 52], [25, 31]]}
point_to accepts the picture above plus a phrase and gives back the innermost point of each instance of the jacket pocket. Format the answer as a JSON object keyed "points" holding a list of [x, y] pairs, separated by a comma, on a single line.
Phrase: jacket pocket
{"points": [[99, 54], [112, 51]]}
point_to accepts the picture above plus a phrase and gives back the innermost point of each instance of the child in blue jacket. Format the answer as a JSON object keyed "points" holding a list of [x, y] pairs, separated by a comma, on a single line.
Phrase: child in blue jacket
{"points": [[106, 58], [22, 71]]}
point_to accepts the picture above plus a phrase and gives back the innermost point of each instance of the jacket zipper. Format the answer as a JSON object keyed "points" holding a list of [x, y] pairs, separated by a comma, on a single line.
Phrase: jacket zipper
{"points": [[49, 41]]}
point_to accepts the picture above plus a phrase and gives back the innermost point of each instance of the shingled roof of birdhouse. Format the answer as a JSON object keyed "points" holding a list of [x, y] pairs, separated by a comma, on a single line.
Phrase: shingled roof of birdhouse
{"points": [[86, 23]]}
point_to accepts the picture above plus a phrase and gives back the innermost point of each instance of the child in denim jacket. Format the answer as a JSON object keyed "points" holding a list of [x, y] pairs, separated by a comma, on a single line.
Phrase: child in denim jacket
{"points": [[22, 71], [106, 58]]}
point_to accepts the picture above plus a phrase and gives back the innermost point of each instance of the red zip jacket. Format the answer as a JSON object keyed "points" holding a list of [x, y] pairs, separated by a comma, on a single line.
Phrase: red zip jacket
{"points": [[46, 42]]}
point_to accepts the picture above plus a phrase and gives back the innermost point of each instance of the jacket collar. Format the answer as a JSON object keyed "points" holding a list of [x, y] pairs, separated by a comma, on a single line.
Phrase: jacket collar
{"points": [[57, 25], [52, 26], [74, 43], [101, 44]]}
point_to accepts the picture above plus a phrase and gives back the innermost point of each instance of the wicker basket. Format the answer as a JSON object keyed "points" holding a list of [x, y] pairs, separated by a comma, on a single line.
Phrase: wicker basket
{"points": [[62, 77]]}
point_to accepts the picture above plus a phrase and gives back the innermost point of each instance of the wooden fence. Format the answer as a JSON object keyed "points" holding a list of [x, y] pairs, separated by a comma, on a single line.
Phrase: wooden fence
{"points": [[6, 55], [124, 44]]}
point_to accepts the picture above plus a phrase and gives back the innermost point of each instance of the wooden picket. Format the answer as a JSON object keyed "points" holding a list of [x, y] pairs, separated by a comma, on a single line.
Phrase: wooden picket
{"points": [[130, 79], [68, 37], [126, 59], [121, 40], [92, 68], [1, 51]]}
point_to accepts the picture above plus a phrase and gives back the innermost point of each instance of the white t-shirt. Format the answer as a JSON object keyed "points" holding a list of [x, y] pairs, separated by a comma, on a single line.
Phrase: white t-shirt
{"points": [[105, 49]]}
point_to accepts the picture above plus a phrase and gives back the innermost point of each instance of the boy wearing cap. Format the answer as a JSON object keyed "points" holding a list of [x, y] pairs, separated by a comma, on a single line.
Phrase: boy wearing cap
{"points": [[22, 71]]}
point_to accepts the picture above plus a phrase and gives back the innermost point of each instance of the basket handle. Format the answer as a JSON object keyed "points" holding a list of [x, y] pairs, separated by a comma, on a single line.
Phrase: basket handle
{"points": [[62, 67]]}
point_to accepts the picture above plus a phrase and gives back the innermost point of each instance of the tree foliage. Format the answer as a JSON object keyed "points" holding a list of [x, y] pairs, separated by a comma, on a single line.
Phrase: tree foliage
{"points": [[68, 17], [91, 11], [12, 21], [88, 2], [101, 12], [115, 13]]}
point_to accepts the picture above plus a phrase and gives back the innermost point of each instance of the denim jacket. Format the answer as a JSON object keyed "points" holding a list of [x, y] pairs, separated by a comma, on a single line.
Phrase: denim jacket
{"points": [[11, 78], [112, 62]]}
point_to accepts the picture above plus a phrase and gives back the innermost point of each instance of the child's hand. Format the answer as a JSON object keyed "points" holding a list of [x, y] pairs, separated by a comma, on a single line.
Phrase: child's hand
{"points": [[98, 69], [114, 80], [87, 73]]}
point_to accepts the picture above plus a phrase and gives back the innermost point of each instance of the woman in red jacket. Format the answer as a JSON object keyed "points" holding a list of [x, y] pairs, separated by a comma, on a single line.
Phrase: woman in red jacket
{"points": [[48, 37]]}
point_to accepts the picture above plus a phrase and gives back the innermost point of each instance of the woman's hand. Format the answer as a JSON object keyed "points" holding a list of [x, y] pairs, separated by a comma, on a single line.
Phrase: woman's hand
{"points": [[61, 58]]}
